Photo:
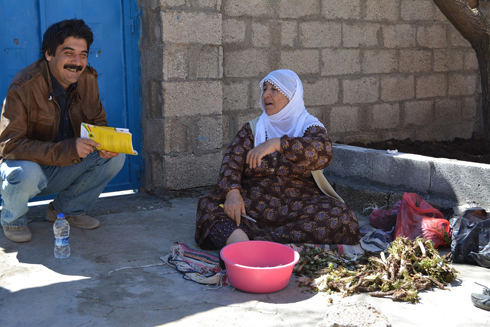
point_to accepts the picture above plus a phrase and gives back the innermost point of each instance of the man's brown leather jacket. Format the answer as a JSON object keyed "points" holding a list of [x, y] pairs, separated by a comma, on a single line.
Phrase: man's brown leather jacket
{"points": [[30, 116]]}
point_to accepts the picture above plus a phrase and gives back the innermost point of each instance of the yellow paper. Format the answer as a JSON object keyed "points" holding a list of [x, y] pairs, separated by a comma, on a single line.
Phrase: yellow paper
{"points": [[110, 138]]}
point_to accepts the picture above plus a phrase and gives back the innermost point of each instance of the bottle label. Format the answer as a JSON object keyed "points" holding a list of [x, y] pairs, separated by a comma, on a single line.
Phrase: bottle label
{"points": [[61, 241]]}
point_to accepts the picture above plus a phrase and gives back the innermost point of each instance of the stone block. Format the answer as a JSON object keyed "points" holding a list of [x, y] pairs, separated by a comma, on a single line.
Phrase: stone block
{"points": [[396, 171], [399, 35], [341, 9], [192, 98], [297, 9], [341, 62], [319, 34], [431, 132], [220, 62], [153, 133], [247, 63], [463, 129], [382, 10], [439, 16], [234, 31], [419, 112], [432, 36], [469, 107], [235, 96], [209, 134], [397, 134], [301, 61], [256, 91], [350, 161], [470, 60], [455, 38], [357, 35], [156, 97], [204, 172], [448, 60], [359, 136], [462, 84], [360, 90], [385, 115], [176, 62], [207, 4], [318, 113], [321, 92], [415, 61], [447, 110], [398, 87], [245, 117], [433, 85], [152, 64], [379, 61], [254, 8], [229, 131], [176, 133], [463, 182], [414, 10], [344, 119], [191, 27], [154, 172], [350, 314], [210, 62], [289, 32], [151, 28], [261, 35], [169, 3]]}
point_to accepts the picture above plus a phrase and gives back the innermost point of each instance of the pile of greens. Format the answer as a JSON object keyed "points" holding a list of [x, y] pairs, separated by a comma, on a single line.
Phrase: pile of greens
{"points": [[410, 266]]}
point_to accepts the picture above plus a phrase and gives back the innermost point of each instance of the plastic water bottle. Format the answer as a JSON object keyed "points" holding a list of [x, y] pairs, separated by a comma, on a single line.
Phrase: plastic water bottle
{"points": [[61, 230]]}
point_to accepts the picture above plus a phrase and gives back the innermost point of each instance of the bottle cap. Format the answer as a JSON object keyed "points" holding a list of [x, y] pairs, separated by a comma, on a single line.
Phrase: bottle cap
{"points": [[61, 215]]}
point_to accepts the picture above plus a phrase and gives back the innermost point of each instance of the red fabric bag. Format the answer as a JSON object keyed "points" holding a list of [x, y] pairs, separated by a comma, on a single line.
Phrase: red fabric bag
{"points": [[385, 219], [417, 218]]}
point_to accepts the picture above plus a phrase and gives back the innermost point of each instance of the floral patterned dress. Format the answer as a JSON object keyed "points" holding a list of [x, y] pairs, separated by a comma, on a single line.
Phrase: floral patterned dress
{"points": [[281, 195]]}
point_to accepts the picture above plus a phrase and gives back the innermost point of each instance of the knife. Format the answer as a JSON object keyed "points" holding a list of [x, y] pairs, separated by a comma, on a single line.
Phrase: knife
{"points": [[244, 216]]}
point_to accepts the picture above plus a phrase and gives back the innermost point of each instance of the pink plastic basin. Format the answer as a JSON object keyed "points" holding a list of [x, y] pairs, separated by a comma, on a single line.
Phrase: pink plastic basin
{"points": [[258, 266]]}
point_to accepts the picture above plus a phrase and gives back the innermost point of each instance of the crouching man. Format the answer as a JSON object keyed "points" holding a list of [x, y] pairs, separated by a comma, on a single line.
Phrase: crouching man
{"points": [[40, 145]]}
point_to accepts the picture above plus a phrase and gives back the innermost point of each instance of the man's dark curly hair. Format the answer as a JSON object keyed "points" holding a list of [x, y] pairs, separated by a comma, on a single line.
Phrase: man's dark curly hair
{"points": [[56, 34]]}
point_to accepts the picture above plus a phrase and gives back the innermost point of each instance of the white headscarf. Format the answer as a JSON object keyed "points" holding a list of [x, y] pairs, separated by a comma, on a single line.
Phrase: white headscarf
{"points": [[293, 119]]}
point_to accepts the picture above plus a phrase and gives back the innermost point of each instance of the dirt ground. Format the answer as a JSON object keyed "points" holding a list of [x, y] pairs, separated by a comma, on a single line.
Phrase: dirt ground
{"points": [[460, 149]]}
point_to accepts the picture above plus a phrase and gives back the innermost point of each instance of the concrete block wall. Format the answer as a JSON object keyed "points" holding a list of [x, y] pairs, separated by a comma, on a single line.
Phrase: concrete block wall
{"points": [[371, 69], [182, 93], [365, 177]]}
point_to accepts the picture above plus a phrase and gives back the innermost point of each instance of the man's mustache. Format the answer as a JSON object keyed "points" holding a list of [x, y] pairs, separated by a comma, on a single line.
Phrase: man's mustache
{"points": [[78, 68]]}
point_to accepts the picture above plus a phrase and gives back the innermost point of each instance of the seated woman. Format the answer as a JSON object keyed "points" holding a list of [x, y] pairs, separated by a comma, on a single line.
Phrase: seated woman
{"points": [[266, 174]]}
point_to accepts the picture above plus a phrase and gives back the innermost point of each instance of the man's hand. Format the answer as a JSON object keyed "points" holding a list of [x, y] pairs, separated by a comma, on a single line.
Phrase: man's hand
{"points": [[255, 155], [107, 154], [85, 147], [234, 206]]}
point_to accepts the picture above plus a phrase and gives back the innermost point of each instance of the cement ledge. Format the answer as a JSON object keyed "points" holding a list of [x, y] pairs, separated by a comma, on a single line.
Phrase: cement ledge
{"points": [[366, 176]]}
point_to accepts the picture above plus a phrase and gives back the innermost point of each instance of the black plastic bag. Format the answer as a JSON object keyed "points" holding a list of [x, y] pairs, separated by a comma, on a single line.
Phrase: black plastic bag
{"points": [[471, 239]]}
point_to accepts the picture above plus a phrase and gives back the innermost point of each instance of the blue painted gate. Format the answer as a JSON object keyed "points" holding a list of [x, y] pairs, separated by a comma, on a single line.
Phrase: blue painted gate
{"points": [[114, 54]]}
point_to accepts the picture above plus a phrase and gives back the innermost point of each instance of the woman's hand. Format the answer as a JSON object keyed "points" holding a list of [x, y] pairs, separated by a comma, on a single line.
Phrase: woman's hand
{"points": [[234, 206], [255, 155]]}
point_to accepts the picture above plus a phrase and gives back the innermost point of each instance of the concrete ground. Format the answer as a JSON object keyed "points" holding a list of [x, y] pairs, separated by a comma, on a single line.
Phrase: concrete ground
{"points": [[85, 290]]}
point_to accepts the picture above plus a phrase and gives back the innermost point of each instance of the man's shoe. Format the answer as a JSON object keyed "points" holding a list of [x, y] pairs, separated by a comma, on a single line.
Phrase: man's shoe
{"points": [[481, 301], [17, 234], [82, 221]]}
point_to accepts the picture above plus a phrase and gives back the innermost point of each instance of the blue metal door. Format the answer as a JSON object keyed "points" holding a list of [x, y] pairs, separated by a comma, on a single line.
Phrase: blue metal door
{"points": [[114, 54]]}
